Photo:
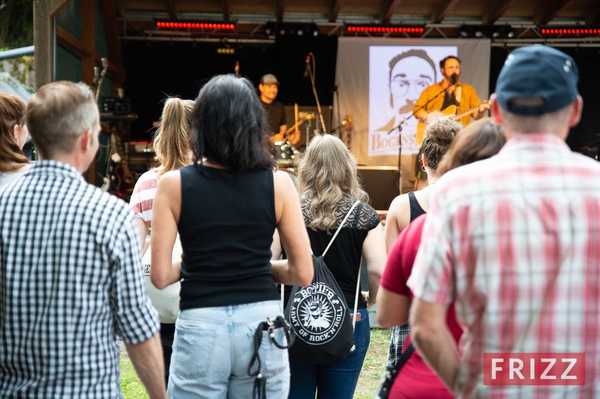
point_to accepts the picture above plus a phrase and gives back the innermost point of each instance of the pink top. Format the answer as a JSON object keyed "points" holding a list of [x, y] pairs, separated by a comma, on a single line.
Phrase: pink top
{"points": [[415, 380]]}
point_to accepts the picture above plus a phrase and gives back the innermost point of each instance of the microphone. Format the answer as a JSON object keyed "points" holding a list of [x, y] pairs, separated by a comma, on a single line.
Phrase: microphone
{"points": [[453, 78], [347, 123], [307, 66]]}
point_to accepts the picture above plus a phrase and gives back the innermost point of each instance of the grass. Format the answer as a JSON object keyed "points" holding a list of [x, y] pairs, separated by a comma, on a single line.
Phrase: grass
{"points": [[131, 386], [374, 365], [373, 368]]}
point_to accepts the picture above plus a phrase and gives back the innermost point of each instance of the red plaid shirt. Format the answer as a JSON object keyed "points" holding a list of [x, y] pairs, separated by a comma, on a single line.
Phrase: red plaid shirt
{"points": [[515, 240]]}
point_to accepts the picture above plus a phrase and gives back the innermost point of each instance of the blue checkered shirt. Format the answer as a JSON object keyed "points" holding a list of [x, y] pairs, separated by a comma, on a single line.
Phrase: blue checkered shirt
{"points": [[70, 283]]}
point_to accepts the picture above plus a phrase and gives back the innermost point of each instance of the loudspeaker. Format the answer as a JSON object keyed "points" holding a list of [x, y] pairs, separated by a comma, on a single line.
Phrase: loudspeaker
{"points": [[381, 183], [308, 116]]}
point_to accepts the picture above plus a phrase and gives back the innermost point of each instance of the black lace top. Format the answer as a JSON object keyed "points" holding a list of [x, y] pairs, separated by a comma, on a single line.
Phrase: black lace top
{"points": [[344, 257]]}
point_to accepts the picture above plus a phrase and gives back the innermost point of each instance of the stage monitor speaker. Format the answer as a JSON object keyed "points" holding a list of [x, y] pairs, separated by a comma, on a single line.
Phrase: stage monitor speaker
{"points": [[310, 113], [381, 183]]}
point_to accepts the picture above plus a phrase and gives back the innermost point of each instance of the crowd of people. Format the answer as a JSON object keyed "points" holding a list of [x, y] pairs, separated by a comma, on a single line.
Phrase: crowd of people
{"points": [[499, 253]]}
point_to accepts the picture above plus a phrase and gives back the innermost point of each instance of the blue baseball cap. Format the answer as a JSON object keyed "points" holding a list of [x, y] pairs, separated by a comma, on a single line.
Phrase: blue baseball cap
{"points": [[536, 80]]}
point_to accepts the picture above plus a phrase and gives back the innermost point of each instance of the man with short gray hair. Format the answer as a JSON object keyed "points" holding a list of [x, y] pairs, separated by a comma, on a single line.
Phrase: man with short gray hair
{"points": [[70, 266], [514, 240]]}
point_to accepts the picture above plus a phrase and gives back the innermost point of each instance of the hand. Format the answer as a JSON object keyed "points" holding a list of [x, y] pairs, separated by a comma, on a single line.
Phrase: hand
{"points": [[484, 106], [365, 295], [294, 137], [276, 137]]}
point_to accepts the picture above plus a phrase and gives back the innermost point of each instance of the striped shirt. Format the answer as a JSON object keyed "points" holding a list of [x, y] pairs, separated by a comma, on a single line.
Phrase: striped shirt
{"points": [[142, 198], [70, 283], [516, 240], [165, 301]]}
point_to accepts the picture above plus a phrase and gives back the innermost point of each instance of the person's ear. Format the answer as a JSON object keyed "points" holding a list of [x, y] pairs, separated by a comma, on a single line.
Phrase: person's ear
{"points": [[495, 109], [575, 115], [20, 134], [85, 140], [424, 160]]}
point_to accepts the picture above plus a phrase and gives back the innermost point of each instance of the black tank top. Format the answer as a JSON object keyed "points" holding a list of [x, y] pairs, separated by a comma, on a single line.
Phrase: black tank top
{"points": [[226, 226], [416, 209]]}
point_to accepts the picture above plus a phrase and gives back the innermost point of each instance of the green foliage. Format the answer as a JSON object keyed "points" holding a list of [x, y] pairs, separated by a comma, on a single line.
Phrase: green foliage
{"points": [[16, 23]]}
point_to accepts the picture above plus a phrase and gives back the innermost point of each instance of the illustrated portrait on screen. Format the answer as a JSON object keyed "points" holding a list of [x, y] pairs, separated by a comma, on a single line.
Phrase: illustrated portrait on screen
{"points": [[410, 73], [397, 77]]}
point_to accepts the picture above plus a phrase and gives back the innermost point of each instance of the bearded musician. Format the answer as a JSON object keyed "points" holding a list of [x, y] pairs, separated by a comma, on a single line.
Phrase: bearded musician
{"points": [[459, 99]]}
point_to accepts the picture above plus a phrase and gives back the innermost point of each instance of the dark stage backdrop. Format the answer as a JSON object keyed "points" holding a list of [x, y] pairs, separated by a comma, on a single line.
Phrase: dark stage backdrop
{"points": [[182, 68], [587, 59]]}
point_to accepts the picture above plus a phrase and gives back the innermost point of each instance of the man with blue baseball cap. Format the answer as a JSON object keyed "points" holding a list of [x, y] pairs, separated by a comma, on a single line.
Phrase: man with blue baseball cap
{"points": [[514, 240]]}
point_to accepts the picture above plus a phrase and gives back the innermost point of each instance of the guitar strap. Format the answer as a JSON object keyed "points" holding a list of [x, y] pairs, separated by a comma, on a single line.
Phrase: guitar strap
{"points": [[457, 96]]}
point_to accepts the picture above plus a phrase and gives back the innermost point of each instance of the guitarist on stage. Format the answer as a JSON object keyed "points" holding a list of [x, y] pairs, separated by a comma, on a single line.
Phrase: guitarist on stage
{"points": [[450, 96], [268, 88]]}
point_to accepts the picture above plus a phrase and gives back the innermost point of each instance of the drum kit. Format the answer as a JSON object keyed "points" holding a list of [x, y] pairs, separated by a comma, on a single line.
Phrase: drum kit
{"points": [[287, 156], [285, 153]]}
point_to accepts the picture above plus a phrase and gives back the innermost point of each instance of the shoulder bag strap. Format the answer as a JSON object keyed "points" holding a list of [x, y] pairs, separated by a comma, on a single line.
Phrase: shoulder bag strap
{"points": [[458, 95], [405, 355], [356, 296], [339, 228], [394, 372], [359, 268]]}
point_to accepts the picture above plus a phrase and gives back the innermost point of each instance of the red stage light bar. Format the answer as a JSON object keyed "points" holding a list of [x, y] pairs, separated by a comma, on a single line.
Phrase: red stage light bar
{"points": [[195, 25], [385, 29], [564, 31]]}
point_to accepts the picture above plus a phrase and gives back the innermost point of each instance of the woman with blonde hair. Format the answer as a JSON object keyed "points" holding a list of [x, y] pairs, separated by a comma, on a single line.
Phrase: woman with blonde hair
{"points": [[172, 148], [13, 133], [329, 186]]}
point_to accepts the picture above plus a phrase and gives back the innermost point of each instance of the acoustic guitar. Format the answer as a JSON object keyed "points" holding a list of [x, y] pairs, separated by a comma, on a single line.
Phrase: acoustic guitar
{"points": [[449, 112]]}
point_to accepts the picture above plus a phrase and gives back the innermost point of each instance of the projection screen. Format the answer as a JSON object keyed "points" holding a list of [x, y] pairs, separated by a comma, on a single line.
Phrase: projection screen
{"points": [[363, 73]]}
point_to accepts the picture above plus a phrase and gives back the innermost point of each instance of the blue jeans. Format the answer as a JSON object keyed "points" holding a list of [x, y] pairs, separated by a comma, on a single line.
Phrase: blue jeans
{"points": [[213, 348], [332, 380]]}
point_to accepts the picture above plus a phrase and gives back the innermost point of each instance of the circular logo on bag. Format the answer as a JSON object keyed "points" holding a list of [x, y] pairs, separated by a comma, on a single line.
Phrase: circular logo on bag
{"points": [[316, 314]]}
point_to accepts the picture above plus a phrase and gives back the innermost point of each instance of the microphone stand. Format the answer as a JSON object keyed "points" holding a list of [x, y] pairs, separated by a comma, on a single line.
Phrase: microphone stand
{"points": [[402, 122], [314, 88], [399, 127], [336, 96], [100, 77]]}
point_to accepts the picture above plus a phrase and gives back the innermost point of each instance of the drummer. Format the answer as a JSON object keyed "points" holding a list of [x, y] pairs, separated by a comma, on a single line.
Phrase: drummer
{"points": [[269, 87]]}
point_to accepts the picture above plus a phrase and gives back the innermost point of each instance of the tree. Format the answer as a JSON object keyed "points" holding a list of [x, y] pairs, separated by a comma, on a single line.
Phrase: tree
{"points": [[16, 23]]}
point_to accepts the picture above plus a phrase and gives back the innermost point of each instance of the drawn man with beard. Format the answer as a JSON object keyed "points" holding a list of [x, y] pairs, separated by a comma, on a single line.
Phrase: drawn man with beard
{"points": [[410, 73]]}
